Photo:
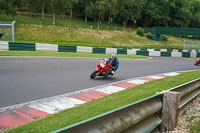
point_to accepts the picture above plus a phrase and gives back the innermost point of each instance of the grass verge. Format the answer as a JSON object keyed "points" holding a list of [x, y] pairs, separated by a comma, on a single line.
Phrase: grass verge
{"points": [[66, 54], [195, 127], [108, 103], [194, 122], [90, 37]]}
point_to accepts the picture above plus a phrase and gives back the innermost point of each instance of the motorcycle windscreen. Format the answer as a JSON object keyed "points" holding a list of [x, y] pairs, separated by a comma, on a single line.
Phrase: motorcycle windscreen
{"points": [[102, 64]]}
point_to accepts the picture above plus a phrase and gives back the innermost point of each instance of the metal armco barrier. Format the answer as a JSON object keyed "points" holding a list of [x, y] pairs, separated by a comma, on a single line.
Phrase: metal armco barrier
{"points": [[121, 120], [142, 116], [188, 92]]}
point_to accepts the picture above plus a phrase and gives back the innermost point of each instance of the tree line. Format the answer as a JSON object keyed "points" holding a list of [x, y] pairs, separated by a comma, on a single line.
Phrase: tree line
{"points": [[147, 13]]}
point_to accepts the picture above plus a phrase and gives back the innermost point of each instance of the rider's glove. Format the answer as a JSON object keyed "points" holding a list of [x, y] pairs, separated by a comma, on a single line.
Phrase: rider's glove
{"points": [[113, 68]]}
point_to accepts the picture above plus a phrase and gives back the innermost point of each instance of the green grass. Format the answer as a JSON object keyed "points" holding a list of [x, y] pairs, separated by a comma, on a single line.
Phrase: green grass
{"points": [[89, 37], [66, 54], [108, 103], [77, 32], [195, 127]]}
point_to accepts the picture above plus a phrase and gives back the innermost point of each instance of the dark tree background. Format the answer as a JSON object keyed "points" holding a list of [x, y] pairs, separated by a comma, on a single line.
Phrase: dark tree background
{"points": [[148, 13]]}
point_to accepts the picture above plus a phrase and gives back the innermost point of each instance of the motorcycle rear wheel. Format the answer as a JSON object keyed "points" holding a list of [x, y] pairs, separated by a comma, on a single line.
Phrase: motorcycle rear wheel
{"points": [[94, 74]]}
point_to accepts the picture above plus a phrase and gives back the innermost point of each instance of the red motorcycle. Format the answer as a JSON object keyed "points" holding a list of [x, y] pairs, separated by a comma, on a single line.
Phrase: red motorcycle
{"points": [[197, 61], [103, 69]]}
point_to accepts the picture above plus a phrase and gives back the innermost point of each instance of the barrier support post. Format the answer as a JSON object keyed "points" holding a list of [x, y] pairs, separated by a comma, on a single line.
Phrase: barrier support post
{"points": [[171, 102]]}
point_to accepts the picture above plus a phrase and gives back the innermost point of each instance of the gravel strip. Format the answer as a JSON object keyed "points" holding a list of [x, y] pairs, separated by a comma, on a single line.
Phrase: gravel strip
{"points": [[189, 117]]}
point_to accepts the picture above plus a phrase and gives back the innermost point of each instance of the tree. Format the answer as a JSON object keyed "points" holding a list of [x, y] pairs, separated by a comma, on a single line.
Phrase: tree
{"points": [[180, 13], [33, 6], [9, 6], [37, 6], [43, 7], [85, 8], [130, 9], [156, 13], [175, 13], [111, 9], [97, 11], [55, 4], [86, 3], [69, 4], [195, 9], [148, 12]]}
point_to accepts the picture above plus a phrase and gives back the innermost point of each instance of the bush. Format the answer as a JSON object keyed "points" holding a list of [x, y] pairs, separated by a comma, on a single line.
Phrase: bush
{"points": [[149, 35], [140, 31], [165, 38]]}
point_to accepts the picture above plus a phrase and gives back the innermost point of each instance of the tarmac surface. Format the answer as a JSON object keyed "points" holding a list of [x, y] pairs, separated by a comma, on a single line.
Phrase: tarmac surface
{"points": [[24, 79]]}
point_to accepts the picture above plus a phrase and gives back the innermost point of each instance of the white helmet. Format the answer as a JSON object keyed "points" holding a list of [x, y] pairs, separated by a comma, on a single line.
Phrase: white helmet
{"points": [[113, 57]]}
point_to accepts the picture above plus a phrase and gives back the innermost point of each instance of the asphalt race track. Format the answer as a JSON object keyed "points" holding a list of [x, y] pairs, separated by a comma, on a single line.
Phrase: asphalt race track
{"points": [[24, 79]]}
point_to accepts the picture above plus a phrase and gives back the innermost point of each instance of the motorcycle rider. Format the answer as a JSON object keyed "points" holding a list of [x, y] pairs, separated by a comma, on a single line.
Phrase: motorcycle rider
{"points": [[197, 62], [115, 63]]}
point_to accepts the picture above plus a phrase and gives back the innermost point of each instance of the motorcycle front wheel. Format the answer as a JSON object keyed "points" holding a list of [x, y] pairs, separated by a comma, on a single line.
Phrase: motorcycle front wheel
{"points": [[94, 74]]}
